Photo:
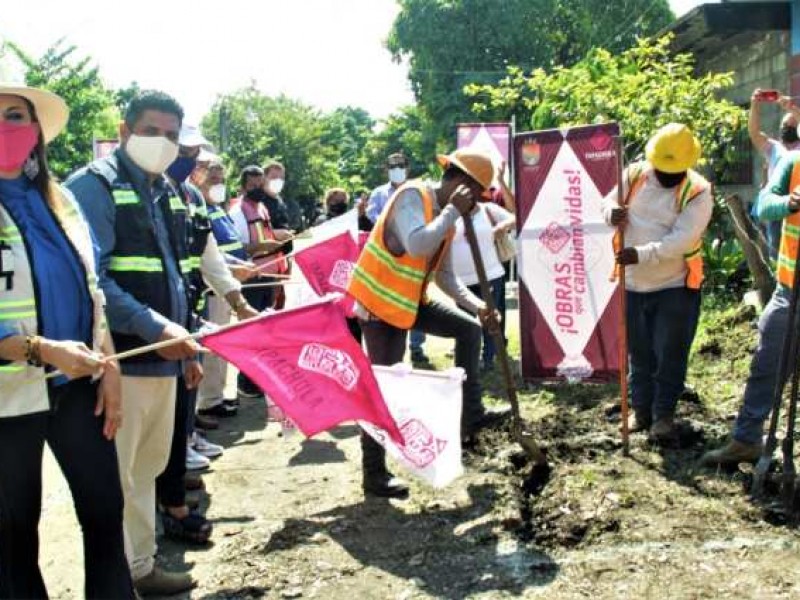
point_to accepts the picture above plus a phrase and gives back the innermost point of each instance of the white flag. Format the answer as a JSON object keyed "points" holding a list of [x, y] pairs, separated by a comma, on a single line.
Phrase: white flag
{"points": [[333, 227], [426, 406]]}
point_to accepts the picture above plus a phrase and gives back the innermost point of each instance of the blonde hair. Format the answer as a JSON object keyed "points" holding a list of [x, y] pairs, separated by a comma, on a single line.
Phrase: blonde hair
{"points": [[337, 190]]}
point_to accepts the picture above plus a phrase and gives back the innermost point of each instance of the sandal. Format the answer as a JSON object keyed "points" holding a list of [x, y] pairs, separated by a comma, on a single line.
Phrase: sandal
{"points": [[193, 528]]}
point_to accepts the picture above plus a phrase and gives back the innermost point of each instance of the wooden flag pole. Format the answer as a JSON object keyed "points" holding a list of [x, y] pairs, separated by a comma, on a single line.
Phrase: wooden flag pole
{"points": [[194, 336], [623, 320]]}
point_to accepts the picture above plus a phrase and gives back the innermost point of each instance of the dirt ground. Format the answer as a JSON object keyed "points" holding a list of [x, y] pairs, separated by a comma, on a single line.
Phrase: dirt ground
{"points": [[290, 520]]}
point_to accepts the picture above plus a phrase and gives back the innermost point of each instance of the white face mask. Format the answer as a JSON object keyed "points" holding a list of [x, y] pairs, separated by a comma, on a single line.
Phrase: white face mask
{"points": [[275, 186], [216, 193], [152, 154], [397, 175]]}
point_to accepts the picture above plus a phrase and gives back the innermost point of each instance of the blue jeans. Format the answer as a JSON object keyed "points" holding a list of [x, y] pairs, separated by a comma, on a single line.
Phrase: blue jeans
{"points": [[760, 389], [498, 287], [416, 338], [89, 463], [661, 328], [773, 231]]}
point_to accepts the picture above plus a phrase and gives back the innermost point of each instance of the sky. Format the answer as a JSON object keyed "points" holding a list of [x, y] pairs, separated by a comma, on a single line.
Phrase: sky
{"points": [[326, 53]]}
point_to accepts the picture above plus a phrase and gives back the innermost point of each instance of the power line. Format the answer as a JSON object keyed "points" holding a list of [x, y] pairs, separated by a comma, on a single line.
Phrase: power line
{"points": [[628, 25]]}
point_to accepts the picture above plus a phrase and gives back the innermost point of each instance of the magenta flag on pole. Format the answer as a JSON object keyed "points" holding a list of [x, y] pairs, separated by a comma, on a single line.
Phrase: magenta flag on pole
{"points": [[307, 361], [327, 266], [569, 307]]}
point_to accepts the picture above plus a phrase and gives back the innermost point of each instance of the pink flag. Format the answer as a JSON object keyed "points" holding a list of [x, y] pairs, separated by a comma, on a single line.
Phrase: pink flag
{"points": [[328, 265], [308, 363]]}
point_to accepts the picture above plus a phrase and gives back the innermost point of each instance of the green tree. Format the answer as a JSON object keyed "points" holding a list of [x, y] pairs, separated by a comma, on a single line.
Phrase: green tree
{"points": [[348, 130], [641, 88], [451, 43], [93, 112], [123, 96], [251, 129]]}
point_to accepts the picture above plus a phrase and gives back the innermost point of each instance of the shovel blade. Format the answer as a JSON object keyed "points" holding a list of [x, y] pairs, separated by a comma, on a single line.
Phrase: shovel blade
{"points": [[760, 476], [531, 448]]}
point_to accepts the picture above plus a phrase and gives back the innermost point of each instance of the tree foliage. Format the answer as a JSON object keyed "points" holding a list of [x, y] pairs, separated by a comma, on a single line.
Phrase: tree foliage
{"points": [[348, 130], [642, 88], [451, 43], [93, 112], [251, 129], [124, 96]]}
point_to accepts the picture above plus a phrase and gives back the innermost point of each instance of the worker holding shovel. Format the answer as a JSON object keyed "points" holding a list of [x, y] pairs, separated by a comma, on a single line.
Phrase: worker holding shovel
{"points": [[409, 246], [780, 200]]}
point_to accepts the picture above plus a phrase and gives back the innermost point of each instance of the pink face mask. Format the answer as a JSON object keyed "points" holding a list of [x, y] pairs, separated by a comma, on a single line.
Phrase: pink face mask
{"points": [[16, 143]]}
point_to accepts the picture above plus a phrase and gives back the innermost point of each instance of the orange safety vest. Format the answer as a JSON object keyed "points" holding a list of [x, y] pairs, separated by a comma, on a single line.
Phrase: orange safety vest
{"points": [[259, 228], [690, 188], [392, 287], [790, 232]]}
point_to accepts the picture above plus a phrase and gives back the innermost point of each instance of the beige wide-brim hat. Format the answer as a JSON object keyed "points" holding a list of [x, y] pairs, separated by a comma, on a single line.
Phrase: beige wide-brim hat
{"points": [[475, 163], [51, 111]]}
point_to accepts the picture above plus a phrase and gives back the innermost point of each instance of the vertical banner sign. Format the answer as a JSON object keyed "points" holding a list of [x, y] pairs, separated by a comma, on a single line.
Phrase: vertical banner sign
{"points": [[102, 148], [569, 307], [493, 138]]}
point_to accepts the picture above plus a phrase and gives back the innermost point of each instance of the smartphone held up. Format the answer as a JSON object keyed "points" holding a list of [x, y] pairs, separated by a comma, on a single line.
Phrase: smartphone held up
{"points": [[768, 95]]}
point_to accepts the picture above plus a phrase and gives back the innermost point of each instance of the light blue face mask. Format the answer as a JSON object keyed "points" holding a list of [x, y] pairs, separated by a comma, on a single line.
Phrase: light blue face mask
{"points": [[397, 175]]}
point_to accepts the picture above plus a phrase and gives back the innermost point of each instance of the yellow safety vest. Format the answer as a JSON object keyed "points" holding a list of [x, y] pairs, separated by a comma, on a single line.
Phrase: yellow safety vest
{"points": [[690, 188]]}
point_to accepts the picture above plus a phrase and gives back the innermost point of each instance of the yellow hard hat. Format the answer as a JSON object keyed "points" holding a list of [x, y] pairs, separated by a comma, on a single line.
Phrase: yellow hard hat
{"points": [[474, 163], [673, 149]]}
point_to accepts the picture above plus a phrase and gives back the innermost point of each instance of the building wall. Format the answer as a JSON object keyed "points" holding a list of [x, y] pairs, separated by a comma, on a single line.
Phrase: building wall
{"points": [[760, 63], [756, 62]]}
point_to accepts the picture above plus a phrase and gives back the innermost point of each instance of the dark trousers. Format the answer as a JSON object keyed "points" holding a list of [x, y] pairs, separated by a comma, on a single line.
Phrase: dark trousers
{"points": [[170, 489], [260, 299], [89, 463], [355, 329], [386, 345], [661, 328], [498, 288]]}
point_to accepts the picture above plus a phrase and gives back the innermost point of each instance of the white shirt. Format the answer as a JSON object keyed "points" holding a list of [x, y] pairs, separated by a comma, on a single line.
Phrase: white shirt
{"points": [[215, 271], [240, 223], [463, 265], [660, 234]]}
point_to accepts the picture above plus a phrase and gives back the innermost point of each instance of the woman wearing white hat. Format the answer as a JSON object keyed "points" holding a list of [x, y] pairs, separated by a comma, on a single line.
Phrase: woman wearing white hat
{"points": [[52, 319]]}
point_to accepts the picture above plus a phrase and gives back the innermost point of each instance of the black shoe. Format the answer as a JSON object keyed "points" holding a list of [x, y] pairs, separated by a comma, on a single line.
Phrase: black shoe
{"points": [[386, 487], [219, 410], [249, 393], [204, 422]]}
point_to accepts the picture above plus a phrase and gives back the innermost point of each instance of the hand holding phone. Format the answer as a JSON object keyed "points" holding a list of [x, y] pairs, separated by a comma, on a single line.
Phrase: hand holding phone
{"points": [[767, 95]]}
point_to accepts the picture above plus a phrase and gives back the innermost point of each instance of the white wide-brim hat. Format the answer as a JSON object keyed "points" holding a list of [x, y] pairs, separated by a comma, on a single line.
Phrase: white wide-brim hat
{"points": [[51, 111], [191, 137]]}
